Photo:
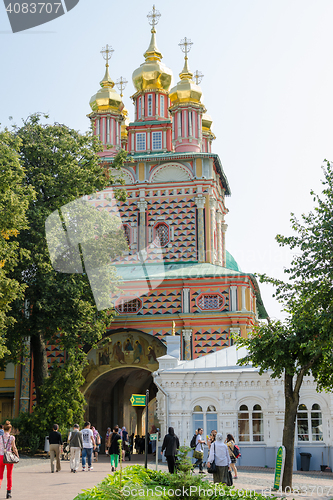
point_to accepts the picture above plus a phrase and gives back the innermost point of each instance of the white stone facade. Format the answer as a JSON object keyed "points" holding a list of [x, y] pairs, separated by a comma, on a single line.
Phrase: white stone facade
{"points": [[215, 381]]}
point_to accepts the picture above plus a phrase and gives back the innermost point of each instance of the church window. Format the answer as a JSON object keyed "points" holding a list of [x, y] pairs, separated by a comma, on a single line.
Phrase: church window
{"points": [[162, 233], [250, 424], [150, 105], [211, 301], [141, 142], [179, 124], [156, 140], [309, 419], [128, 306], [190, 123], [162, 106]]}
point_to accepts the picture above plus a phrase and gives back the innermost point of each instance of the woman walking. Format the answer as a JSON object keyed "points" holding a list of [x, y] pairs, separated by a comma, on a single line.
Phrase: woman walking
{"points": [[211, 438], [7, 443], [219, 452], [113, 446], [230, 442]]}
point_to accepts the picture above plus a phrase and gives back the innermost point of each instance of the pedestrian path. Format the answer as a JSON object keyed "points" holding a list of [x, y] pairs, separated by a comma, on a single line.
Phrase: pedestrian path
{"points": [[32, 480]]}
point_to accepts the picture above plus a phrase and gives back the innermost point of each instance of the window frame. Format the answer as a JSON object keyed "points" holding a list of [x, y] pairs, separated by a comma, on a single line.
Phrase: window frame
{"points": [[203, 422], [308, 423], [202, 295], [248, 423], [122, 301], [150, 105], [138, 136], [155, 234], [154, 133]]}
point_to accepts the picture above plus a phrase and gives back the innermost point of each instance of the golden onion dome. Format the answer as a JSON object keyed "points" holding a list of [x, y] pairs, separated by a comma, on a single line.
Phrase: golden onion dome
{"points": [[107, 98], [152, 74], [185, 90]]}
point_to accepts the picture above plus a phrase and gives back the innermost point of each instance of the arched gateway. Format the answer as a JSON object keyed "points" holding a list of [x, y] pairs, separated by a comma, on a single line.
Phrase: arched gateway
{"points": [[121, 365]]}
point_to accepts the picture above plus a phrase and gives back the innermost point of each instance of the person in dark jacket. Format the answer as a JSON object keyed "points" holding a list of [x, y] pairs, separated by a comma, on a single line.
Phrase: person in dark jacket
{"points": [[170, 445], [55, 441], [113, 446]]}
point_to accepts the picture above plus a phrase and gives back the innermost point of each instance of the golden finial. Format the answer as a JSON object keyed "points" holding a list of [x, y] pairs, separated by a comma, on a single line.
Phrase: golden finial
{"points": [[198, 76], [107, 52], [173, 328], [153, 18], [185, 46], [121, 84]]}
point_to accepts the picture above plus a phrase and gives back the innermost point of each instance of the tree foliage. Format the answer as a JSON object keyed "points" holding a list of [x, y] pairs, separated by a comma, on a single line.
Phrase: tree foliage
{"points": [[14, 200], [61, 165], [302, 344]]}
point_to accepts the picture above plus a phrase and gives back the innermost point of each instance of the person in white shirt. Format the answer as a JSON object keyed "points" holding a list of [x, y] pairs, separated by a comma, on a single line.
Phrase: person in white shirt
{"points": [[220, 453], [198, 454], [88, 446]]}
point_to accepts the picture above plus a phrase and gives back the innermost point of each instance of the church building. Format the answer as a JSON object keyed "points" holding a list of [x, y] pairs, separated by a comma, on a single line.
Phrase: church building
{"points": [[183, 298]]}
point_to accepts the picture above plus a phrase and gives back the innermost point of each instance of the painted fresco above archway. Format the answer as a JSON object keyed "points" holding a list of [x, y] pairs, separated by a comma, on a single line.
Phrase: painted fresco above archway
{"points": [[123, 350]]}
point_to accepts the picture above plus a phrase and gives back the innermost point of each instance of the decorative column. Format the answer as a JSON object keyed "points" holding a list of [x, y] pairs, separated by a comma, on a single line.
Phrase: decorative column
{"points": [[142, 224], [187, 334], [200, 203], [243, 299], [219, 238], [212, 205], [224, 228]]}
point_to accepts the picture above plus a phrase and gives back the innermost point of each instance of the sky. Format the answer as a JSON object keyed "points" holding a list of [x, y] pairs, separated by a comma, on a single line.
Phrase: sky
{"points": [[267, 85]]}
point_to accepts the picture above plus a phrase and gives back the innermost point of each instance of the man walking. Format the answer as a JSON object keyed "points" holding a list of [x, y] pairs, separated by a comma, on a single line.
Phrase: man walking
{"points": [[198, 453], [170, 445], [88, 446], [55, 441], [75, 444]]}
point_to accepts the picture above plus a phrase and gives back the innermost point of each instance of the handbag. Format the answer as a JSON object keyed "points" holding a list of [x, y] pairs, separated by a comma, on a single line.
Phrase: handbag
{"points": [[230, 482], [198, 455], [9, 456], [212, 468]]}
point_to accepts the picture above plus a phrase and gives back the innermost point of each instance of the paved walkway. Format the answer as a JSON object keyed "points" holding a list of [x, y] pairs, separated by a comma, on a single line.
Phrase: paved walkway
{"points": [[32, 480]]}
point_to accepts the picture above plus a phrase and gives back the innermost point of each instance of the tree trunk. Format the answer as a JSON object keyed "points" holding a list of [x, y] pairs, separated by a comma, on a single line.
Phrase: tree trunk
{"points": [[40, 371], [291, 404]]}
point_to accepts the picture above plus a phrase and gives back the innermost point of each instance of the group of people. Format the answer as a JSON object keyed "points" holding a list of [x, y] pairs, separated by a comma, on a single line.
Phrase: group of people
{"points": [[222, 452], [117, 443], [85, 442]]}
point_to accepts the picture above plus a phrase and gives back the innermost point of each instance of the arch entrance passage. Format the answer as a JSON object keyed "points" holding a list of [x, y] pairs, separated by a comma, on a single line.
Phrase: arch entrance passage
{"points": [[122, 365]]}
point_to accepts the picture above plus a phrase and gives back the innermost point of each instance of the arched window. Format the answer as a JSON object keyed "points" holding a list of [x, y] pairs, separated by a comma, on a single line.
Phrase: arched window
{"points": [[250, 424], [309, 419], [140, 108], [205, 419], [211, 419], [162, 233], [162, 106]]}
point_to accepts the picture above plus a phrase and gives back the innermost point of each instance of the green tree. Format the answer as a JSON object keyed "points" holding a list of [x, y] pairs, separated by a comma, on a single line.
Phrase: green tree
{"points": [[62, 165], [14, 200], [302, 344]]}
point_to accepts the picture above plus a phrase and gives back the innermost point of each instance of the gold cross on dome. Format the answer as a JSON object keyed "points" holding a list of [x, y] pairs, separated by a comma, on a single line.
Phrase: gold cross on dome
{"points": [[198, 76], [153, 17], [107, 52], [121, 84], [185, 45]]}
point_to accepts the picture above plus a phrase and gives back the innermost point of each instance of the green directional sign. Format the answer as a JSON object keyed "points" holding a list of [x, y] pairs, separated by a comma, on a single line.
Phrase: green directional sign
{"points": [[153, 437], [138, 400], [279, 467]]}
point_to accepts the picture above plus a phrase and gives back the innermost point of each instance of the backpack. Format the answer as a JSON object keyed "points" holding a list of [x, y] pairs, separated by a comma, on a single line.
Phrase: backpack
{"points": [[193, 442], [236, 451]]}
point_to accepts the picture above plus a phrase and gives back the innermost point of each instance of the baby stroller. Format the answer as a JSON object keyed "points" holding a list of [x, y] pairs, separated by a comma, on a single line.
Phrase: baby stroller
{"points": [[65, 451]]}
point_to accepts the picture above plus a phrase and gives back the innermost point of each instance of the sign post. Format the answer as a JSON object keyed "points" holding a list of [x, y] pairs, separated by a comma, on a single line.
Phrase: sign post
{"points": [[279, 465], [154, 437], [146, 436]]}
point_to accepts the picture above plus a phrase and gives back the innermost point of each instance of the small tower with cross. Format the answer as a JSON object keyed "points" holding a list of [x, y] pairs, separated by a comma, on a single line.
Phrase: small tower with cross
{"points": [[186, 108], [150, 132], [108, 114]]}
